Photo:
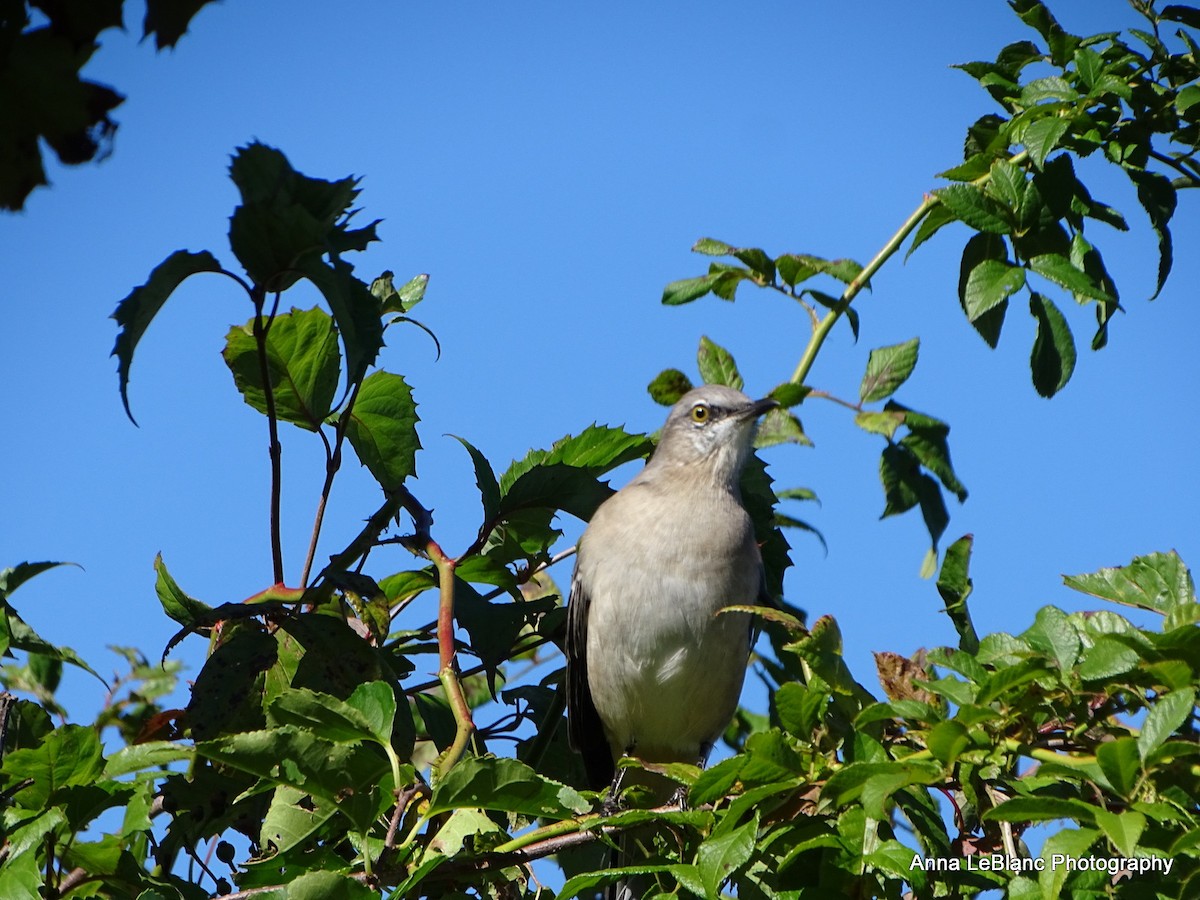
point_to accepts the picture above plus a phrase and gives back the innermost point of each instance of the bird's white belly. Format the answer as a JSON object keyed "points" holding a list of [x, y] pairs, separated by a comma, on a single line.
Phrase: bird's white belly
{"points": [[669, 686]]}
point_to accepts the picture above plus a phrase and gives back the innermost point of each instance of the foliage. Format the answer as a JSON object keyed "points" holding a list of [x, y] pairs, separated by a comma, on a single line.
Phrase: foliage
{"points": [[313, 762], [42, 95]]}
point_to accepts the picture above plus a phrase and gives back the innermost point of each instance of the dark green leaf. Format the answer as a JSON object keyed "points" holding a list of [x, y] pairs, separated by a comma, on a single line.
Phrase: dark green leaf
{"points": [[1107, 658], [12, 578], [355, 312], [382, 428], [505, 785], [393, 300], [946, 740], [794, 269], [485, 480], [325, 716], [168, 20], [723, 854], [303, 365], [1187, 15], [1041, 809], [780, 426], [135, 313], [717, 365], [887, 369], [758, 262], [981, 248], [1053, 359], [954, 585], [668, 386], [1157, 196], [1053, 635]]}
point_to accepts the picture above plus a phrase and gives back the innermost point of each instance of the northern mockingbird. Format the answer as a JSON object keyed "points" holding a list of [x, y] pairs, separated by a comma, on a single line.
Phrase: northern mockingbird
{"points": [[652, 670]]}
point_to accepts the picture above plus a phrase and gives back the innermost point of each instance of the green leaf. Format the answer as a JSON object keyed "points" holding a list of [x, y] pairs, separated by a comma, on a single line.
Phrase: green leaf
{"points": [[927, 440], [135, 313], [393, 300], [946, 740], [1053, 358], [12, 578], [887, 369], [168, 20], [954, 585], [324, 716], [789, 394], [934, 221], [1041, 809], [971, 205], [758, 262], [382, 428], [1058, 269], [355, 312], [1159, 582], [713, 247], [303, 366], [1053, 635], [179, 606], [598, 449], [1121, 764], [1106, 658], [794, 269], [717, 365], [1167, 715], [21, 878], [148, 755], [485, 480], [686, 290], [1157, 196], [723, 854], [322, 885], [780, 426], [989, 285], [1042, 137], [979, 248], [1123, 829], [69, 755], [668, 386], [506, 785]]}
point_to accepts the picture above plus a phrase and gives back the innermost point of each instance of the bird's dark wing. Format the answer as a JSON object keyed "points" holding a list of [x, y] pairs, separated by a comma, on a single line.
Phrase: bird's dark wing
{"points": [[584, 728]]}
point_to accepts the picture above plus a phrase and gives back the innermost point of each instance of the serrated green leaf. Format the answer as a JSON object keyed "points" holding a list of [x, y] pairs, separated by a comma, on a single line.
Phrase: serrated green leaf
{"points": [[382, 428], [1121, 764], [1106, 658], [713, 247], [887, 369], [485, 480], [1058, 269], [355, 312], [668, 386], [1159, 582], [946, 740], [722, 855], [1041, 809], [1052, 360], [148, 755], [1124, 829], [971, 205], [1157, 196], [1168, 714], [794, 269], [937, 218], [15, 576], [685, 290], [506, 785], [69, 755], [884, 423], [780, 426], [989, 284], [717, 365], [954, 586], [1053, 635], [303, 366], [789, 394], [135, 313], [1042, 137]]}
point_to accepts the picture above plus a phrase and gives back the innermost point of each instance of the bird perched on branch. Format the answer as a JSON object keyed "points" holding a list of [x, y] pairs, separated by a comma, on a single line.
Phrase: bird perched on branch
{"points": [[652, 670]]}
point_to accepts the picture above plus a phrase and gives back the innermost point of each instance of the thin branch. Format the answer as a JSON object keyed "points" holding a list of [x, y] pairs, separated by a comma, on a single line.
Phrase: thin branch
{"points": [[464, 726], [275, 449]]}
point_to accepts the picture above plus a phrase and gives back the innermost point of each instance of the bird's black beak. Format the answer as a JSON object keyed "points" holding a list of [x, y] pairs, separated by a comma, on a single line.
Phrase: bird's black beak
{"points": [[758, 407]]}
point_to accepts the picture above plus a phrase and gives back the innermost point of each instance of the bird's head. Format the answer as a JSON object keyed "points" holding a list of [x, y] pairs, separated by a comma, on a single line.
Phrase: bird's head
{"points": [[711, 428]]}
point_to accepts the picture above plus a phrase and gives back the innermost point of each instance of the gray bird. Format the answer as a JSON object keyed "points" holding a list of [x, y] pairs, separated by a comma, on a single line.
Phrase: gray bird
{"points": [[652, 670]]}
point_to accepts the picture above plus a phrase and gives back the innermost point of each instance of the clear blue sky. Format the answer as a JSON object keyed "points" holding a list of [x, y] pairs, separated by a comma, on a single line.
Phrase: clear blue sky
{"points": [[550, 166]]}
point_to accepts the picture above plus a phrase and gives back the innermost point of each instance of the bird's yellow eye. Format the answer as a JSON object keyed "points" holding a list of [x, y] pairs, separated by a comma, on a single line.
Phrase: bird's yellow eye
{"points": [[700, 413]]}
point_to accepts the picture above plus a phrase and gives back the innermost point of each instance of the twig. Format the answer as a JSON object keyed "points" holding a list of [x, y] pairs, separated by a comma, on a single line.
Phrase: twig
{"points": [[275, 449], [464, 726]]}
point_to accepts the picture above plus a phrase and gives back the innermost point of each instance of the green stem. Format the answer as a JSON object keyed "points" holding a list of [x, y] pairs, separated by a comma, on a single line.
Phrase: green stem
{"points": [[823, 327], [464, 726]]}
